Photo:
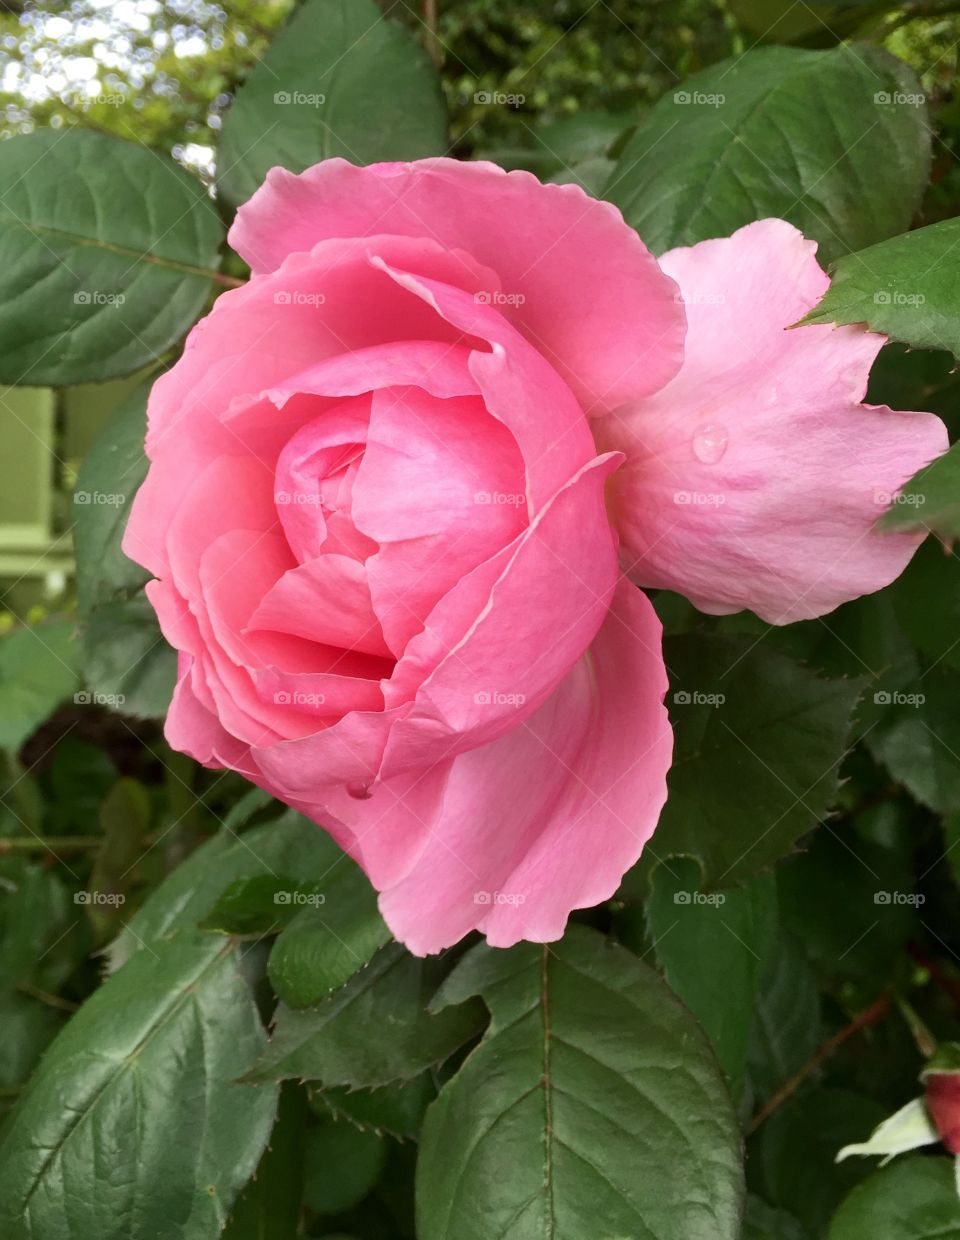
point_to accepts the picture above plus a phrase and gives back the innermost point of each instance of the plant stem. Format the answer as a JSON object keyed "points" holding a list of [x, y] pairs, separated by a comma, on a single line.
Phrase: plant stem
{"points": [[869, 1016]]}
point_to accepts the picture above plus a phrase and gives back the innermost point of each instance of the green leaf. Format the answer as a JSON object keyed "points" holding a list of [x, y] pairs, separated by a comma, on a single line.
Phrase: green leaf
{"points": [[329, 923], [793, 1158], [758, 742], [786, 1019], [110, 476], [780, 132], [339, 80], [143, 1081], [107, 251], [918, 740], [374, 1030], [341, 1165], [269, 1207], [912, 1199], [323, 947], [763, 1222], [396, 1109], [290, 843], [592, 1099], [38, 670], [127, 663], [905, 288], [253, 907], [926, 599], [125, 820], [845, 900], [28, 1026], [930, 501], [712, 949]]}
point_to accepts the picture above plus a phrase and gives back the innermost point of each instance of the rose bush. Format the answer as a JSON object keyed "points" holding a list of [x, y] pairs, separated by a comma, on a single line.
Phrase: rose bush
{"points": [[389, 479]]}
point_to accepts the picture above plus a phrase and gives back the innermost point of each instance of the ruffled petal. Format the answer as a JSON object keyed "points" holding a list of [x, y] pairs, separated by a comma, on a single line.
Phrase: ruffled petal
{"points": [[570, 273], [754, 479], [548, 818]]}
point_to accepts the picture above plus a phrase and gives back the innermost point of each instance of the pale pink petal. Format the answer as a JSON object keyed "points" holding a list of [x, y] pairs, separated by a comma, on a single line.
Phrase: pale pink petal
{"points": [[576, 279], [549, 817], [754, 479]]}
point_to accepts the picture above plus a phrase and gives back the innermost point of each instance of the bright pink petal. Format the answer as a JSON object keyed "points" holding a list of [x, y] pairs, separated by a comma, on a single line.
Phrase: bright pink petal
{"points": [[518, 386], [314, 307], [441, 489], [326, 600], [571, 274], [504, 637], [549, 817], [754, 479]]}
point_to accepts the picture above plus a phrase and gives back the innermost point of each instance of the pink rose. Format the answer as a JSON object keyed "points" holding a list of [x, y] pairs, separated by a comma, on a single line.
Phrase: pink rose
{"points": [[377, 519]]}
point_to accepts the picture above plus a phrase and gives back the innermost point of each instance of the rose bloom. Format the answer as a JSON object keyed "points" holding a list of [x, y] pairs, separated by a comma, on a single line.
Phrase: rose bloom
{"points": [[403, 483]]}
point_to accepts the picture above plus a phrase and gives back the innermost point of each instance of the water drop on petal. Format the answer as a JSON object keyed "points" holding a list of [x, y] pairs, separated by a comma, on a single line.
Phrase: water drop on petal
{"points": [[709, 442], [360, 792]]}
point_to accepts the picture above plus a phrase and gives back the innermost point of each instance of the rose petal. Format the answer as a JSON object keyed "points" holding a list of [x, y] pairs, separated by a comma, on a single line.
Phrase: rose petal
{"points": [[499, 643], [549, 817], [585, 290], [754, 479]]}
